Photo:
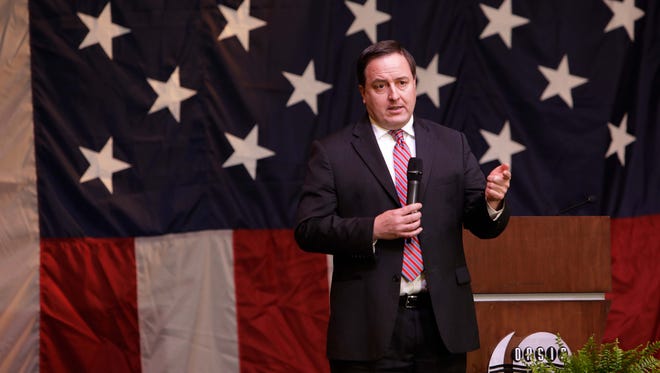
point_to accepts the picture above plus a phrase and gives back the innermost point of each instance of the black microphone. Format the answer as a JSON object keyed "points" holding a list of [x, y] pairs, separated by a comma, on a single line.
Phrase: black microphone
{"points": [[589, 199], [414, 177]]}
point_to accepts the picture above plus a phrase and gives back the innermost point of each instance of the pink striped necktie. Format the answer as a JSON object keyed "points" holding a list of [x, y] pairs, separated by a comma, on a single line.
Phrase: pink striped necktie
{"points": [[412, 253]]}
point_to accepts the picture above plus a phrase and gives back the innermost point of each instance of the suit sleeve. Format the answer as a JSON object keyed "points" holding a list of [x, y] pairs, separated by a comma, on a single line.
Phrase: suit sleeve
{"points": [[477, 220], [319, 228]]}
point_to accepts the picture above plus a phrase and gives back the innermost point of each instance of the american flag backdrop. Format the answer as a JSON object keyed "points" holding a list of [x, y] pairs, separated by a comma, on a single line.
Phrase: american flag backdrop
{"points": [[152, 152]]}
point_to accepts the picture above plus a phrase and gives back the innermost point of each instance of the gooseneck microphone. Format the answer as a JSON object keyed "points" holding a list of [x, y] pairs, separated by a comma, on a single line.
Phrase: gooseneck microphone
{"points": [[587, 200], [414, 177]]}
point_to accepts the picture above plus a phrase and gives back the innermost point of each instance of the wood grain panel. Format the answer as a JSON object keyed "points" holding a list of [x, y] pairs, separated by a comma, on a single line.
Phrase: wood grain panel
{"points": [[575, 321], [537, 254]]}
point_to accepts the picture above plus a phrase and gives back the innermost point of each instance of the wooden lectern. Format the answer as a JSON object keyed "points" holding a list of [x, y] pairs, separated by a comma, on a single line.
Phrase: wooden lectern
{"points": [[542, 274]]}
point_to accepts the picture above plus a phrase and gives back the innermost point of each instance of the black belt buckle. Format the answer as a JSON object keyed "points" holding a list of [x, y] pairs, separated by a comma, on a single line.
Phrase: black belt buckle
{"points": [[415, 301], [412, 301]]}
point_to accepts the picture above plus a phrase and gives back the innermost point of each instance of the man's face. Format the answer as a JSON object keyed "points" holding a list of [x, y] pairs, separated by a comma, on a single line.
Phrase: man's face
{"points": [[389, 91]]}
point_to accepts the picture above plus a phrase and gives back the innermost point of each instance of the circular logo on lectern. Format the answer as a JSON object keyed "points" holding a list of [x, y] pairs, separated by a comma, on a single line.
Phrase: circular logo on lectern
{"points": [[512, 354]]}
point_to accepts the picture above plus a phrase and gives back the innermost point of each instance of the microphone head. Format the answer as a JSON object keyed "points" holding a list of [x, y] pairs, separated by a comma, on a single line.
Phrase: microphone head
{"points": [[415, 169]]}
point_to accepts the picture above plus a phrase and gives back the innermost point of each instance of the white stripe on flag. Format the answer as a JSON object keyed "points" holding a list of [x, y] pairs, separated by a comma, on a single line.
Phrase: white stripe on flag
{"points": [[19, 224], [187, 302]]}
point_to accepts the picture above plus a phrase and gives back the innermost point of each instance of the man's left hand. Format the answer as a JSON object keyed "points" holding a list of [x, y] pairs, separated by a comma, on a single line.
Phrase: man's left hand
{"points": [[497, 185]]}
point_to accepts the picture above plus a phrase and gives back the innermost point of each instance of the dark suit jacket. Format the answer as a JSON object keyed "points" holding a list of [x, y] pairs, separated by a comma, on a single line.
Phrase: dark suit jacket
{"points": [[346, 186]]}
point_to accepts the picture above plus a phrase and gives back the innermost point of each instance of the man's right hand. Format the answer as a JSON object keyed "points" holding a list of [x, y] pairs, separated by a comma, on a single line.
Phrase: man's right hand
{"points": [[404, 222]]}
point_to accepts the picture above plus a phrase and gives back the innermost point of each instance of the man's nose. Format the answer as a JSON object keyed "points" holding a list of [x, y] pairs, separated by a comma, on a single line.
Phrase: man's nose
{"points": [[393, 93]]}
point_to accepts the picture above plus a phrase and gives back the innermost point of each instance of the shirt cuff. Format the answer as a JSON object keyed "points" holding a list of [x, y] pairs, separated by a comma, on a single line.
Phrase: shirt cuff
{"points": [[494, 214]]}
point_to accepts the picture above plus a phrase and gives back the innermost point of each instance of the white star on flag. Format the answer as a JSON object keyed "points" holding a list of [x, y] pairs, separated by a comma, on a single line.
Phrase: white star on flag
{"points": [[560, 82], [239, 23], [367, 18], [101, 30], [625, 14], [170, 94], [501, 21], [102, 165], [246, 152], [500, 147], [429, 81], [306, 87], [620, 139]]}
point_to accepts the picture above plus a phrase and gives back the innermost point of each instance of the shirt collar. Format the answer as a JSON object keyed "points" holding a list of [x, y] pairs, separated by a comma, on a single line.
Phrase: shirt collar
{"points": [[380, 131]]}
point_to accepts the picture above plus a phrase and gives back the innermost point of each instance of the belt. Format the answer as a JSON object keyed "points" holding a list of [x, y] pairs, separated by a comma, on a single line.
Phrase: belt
{"points": [[414, 301]]}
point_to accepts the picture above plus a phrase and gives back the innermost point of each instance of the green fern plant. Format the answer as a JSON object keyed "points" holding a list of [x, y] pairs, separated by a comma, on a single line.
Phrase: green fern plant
{"points": [[602, 358]]}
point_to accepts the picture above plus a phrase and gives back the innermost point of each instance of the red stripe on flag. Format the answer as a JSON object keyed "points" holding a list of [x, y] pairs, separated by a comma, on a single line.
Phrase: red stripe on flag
{"points": [[88, 293], [634, 316], [282, 303]]}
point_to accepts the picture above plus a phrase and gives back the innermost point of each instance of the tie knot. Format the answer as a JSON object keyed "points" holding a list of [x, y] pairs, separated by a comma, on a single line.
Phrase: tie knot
{"points": [[397, 135]]}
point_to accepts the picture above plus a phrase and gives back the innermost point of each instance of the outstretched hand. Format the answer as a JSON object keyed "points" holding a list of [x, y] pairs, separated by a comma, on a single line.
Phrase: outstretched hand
{"points": [[497, 184]]}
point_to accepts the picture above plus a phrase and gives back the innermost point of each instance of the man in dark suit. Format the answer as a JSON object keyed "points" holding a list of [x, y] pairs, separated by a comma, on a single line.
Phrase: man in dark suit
{"points": [[390, 310]]}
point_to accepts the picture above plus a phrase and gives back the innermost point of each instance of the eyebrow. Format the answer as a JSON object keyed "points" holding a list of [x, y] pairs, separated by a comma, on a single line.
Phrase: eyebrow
{"points": [[395, 79]]}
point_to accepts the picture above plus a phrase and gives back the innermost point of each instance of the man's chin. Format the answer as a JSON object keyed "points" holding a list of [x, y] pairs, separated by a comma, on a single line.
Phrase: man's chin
{"points": [[397, 121]]}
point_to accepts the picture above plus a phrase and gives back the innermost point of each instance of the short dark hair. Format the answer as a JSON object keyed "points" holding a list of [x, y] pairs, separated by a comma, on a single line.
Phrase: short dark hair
{"points": [[382, 48]]}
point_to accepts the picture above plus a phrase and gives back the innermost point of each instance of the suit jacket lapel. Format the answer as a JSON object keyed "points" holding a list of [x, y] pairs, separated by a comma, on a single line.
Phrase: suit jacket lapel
{"points": [[424, 145], [364, 143]]}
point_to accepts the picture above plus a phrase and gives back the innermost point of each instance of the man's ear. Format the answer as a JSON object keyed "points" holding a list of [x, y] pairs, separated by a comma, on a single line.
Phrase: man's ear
{"points": [[361, 89]]}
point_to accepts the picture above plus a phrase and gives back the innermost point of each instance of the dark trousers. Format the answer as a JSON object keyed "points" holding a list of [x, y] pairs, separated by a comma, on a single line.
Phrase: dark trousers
{"points": [[416, 347]]}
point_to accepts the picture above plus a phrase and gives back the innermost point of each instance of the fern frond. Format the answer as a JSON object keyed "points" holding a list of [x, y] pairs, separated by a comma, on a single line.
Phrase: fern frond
{"points": [[603, 358]]}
